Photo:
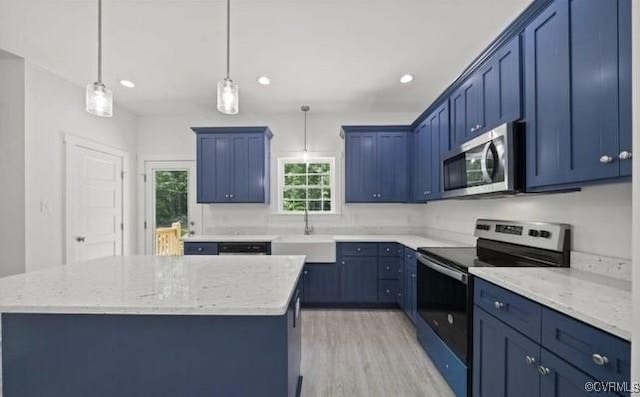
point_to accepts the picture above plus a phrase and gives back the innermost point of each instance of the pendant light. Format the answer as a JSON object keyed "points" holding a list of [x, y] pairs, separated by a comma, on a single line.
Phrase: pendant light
{"points": [[305, 155], [98, 98], [227, 89]]}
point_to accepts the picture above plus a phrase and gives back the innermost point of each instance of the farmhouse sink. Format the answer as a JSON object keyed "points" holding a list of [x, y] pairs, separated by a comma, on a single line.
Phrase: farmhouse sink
{"points": [[318, 248]]}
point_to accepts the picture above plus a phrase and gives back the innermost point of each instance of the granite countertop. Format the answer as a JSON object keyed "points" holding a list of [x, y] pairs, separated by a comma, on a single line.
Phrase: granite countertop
{"points": [[189, 285], [601, 301], [408, 240], [230, 238]]}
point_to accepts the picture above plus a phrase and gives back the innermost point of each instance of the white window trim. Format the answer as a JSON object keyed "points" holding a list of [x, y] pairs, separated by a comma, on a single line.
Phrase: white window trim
{"points": [[332, 184]]}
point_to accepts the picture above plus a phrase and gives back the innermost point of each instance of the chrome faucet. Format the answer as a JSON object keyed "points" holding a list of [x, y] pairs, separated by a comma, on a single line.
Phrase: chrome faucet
{"points": [[307, 229]]}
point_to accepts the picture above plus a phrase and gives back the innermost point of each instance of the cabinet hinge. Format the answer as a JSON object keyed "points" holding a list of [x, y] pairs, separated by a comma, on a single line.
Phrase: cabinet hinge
{"points": [[144, 178], [121, 174], [145, 225], [121, 226]]}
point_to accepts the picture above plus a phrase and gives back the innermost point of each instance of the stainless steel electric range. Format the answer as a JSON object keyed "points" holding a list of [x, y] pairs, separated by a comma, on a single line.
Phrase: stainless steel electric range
{"points": [[445, 290]]}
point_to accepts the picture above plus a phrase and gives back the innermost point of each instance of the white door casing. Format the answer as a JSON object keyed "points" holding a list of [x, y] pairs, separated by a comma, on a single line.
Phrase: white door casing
{"points": [[94, 200], [194, 210]]}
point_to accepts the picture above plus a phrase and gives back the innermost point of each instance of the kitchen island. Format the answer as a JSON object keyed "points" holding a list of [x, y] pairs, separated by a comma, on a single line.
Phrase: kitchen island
{"points": [[154, 326]]}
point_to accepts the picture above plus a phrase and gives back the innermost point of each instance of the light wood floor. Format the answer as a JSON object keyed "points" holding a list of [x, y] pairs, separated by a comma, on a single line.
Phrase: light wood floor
{"points": [[366, 353]]}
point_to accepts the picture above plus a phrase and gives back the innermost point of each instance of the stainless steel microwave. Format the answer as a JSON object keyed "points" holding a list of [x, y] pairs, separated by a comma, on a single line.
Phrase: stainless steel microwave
{"points": [[488, 164]]}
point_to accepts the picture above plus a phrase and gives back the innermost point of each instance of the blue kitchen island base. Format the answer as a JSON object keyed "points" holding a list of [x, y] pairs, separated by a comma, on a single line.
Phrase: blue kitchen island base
{"points": [[70, 355]]}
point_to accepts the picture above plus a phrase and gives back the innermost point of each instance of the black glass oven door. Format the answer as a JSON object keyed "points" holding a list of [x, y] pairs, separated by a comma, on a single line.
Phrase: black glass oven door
{"points": [[443, 304]]}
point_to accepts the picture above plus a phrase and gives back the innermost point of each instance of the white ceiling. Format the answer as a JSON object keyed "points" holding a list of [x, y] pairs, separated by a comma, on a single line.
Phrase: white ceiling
{"points": [[335, 55]]}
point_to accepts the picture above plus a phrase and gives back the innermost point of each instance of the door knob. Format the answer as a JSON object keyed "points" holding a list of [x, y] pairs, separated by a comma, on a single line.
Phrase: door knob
{"points": [[624, 155], [606, 159], [81, 239], [543, 370], [599, 360], [498, 305]]}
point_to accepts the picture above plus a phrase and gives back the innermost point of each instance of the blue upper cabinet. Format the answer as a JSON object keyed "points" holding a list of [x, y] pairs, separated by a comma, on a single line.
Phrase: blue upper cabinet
{"points": [[489, 97], [377, 165], [431, 139], [577, 107], [233, 164], [466, 109], [499, 82]]}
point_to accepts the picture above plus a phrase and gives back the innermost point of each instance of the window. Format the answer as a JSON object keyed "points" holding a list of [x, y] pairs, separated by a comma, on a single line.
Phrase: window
{"points": [[309, 185]]}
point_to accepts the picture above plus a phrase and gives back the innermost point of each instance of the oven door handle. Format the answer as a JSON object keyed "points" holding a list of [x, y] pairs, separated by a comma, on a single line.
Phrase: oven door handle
{"points": [[446, 270]]}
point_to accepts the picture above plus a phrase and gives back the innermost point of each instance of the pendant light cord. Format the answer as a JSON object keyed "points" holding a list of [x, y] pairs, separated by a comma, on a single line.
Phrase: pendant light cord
{"points": [[100, 41], [228, 35], [305, 109]]}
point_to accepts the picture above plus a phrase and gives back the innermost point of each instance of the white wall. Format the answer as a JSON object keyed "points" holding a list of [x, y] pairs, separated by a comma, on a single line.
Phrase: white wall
{"points": [[635, 344], [55, 107], [12, 163], [171, 136], [600, 215]]}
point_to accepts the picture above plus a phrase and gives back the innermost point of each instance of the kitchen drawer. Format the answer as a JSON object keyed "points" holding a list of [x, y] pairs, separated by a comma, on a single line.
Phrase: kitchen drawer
{"points": [[200, 248], [389, 249], [389, 291], [586, 347], [409, 254], [390, 268], [358, 249], [516, 311]]}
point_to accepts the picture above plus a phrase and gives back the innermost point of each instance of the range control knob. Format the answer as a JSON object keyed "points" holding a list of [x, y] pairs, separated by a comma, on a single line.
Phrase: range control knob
{"points": [[545, 233], [534, 233]]}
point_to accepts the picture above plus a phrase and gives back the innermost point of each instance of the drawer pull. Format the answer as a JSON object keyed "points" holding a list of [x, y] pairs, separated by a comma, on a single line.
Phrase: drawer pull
{"points": [[543, 370], [358, 249], [599, 360], [306, 272], [200, 249], [388, 250], [530, 360], [387, 291], [498, 305], [388, 268]]}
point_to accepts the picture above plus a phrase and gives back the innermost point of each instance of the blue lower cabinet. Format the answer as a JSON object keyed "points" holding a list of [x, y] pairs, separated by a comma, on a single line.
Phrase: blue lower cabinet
{"points": [[563, 380], [203, 248], [320, 283], [450, 366], [358, 279], [565, 356], [504, 361]]}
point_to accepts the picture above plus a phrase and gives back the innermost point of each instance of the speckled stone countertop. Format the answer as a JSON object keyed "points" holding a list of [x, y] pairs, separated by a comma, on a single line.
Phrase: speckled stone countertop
{"points": [[408, 240], [188, 285], [601, 301]]}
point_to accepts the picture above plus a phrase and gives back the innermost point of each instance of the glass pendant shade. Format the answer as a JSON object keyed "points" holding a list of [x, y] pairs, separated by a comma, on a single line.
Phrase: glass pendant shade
{"points": [[99, 100], [227, 96]]}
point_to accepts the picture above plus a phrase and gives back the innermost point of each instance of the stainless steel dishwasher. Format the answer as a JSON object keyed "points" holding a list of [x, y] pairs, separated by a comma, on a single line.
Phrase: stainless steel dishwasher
{"points": [[244, 248]]}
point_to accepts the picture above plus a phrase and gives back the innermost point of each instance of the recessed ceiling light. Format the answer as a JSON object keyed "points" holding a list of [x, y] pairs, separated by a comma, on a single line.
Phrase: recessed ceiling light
{"points": [[127, 83], [264, 80], [406, 78]]}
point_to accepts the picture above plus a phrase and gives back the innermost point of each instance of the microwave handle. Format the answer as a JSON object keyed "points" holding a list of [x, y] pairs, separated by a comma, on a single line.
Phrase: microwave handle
{"points": [[447, 271], [483, 163]]}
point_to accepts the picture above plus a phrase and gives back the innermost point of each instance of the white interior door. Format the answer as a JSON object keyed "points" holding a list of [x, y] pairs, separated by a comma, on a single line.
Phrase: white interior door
{"points": [[170, 198], [94, 203]]}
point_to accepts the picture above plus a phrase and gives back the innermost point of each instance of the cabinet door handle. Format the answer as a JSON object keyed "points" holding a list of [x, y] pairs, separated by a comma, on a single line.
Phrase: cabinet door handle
{"points": [[342, 262], [530, 360], [388, 249], [543, 370], [599, 360], [231, 196], [606, 159], [498, 305], [306, 272], [473, 129], [387, 291], [388, 268], [624, 155], [358, 249], [413, 275], [200, 249]]}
